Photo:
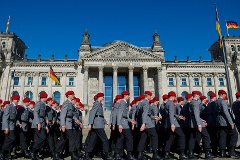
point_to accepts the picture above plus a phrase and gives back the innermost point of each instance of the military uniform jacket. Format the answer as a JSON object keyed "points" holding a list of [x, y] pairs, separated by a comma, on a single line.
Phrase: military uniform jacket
{"points": [[9, 117], [154, 112], [96, 116], [123, 115], [194, 110], [23, 118], [132, 112], [211, 114], [146, 114], [236, 111], [180, 112], [68, 115], [186, 113], [170, 111], [138, 115], [203, 111], [113, 116], [51, 116], [39, 114], [78, 115], [223, 116], [163, 114]]}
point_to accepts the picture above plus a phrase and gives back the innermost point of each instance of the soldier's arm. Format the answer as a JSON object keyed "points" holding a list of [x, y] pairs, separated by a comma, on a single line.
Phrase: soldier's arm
{"points": [[145, 113], [36, 113], [5, 117], [134, 112], [92, 113], [196, 113], [114, 116], [235, 108], [63, 114], [18, 117], [171, 113], [120, 115], [225, 110]]}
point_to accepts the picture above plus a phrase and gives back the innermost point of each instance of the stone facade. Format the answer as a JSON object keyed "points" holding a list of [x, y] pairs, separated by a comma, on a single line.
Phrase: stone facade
{"points": [[87, 72]]}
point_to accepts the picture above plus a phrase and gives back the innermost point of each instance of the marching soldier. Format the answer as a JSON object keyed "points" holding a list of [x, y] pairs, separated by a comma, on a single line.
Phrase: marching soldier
{"points": [[40, 125], [30, 139], [96, 126], [133, 116], [23, 118], [8, 126], [236, 111], [179, 109], [172, 126], [226, 126]]}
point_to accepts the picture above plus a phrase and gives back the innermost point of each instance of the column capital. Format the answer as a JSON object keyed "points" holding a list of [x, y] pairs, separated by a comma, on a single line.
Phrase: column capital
{"points": [[215, 74], [190, 74], [131, 68], [23, 73], [115, 68], [203, 74], [86, 68], [159, 69], [36, 73], [64, 73], [177, 74], [145, 68], [100, 68]]}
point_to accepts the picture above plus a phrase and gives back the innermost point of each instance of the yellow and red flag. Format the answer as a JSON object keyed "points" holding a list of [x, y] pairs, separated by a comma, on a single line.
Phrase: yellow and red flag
{"points": [[8, 23], [53, 76], [231, 24], [218, 28]]}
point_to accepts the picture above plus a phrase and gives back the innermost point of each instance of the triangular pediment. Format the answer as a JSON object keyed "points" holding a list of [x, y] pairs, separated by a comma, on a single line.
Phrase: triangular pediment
{"points": [[121, 50]]}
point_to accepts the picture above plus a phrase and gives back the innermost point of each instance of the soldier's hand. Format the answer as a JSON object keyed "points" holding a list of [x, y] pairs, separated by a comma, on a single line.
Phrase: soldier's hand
{"points": [[113, 127], [76, 121], [232, 126], [157, 118], [133, 127], [120, 128], [63, 128], [39, 126], [89, 127], [200, 128], [133, 121], [80, 125], [6, 131], [142, 127], [47, 130], [182, 118], [173, 127], [20, 126]]}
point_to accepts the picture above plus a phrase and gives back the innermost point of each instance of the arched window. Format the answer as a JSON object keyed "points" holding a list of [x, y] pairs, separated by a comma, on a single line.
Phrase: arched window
{"points": [[232, 47], [184, 94], [29, 94], [208, 95], [3, 45], [15, 92], [57, 96]]}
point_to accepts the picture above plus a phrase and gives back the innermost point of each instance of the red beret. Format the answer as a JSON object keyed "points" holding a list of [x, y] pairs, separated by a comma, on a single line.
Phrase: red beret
{"points": [[148, 93], [26, 100], [133, 102], [171, 93], [137, 99], [226, 98], [18, 106], [196, 92], [114, 100], [49, 99], [125, 93], [15, 97], [174, 101], [95, 97], [32, 102], [69, 93], [222, 92], [165, 96], [100, 94], [118, 97], [238, 94], [1, 101], [81, 105], [188, 96], [207, 101], [151, 101], [6, 102], [203, 97], [141, 96], [212, 95], [180, 99], [54, 102], [155, 99], [43, 95], [77, 99]]}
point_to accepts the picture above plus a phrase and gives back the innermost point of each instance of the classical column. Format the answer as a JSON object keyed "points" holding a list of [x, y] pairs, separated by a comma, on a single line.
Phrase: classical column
{"points": [[130, 82], [100, 79], [115, 85], [6, 82], [178, 82], [216, 83], [85, 85], [145, 78], [22, 84], [36, 84], [233, 83], [63, 83], [160, 90], [190, 82], [203, 84], [50, 83]]}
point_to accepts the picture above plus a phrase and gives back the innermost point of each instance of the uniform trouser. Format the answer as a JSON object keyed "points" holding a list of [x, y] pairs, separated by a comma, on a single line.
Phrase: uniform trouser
{"points": [[39, 138], [72, 135], [61, 142], [129, 141], [136, 133], [95, 133], [23, 140], [113, 138], [205, 137], [78, 139], [161, 136], [213, 133], [50, 139], [152, 133], [181, 139], [9, 141], [223, 132]]}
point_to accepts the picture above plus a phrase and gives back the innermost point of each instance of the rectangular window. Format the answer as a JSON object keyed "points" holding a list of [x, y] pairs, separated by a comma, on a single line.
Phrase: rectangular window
{"points": [[196, 81], [30, 81], [16, 81], [184, 81], [71, 81], [221, 81], [136, 80], [209, 81], [44, 81], [170, 81], [56, 84]]}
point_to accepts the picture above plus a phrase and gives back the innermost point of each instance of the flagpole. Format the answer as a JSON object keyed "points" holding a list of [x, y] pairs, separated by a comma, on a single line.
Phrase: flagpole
{"points": [[227, 28]]}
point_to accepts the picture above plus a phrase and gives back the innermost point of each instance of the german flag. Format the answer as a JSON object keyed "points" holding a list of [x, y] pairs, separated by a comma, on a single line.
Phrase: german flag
{"points": [[53, 76], [218, 28], [231, 24]]}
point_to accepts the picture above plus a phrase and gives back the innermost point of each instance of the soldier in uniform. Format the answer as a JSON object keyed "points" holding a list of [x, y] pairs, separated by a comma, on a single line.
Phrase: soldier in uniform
{"points": [[179, 108], [173, 128], [226, 126], [40, 125], [135, 129], [23, 126], [236, 110], [198, 126], [8, 126], [30, 136], [96, 126], [1, 132]]}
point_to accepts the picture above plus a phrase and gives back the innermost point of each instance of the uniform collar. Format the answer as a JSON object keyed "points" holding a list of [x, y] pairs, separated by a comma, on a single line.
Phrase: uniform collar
{"points": [[14, 104], [124, 100]]}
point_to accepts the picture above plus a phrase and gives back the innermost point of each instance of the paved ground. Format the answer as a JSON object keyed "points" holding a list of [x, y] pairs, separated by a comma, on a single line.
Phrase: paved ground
{"points": [[108, 133]]}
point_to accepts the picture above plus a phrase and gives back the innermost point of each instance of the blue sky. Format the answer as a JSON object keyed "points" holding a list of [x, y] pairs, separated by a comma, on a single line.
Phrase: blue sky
{"points": [[186, 27]]}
